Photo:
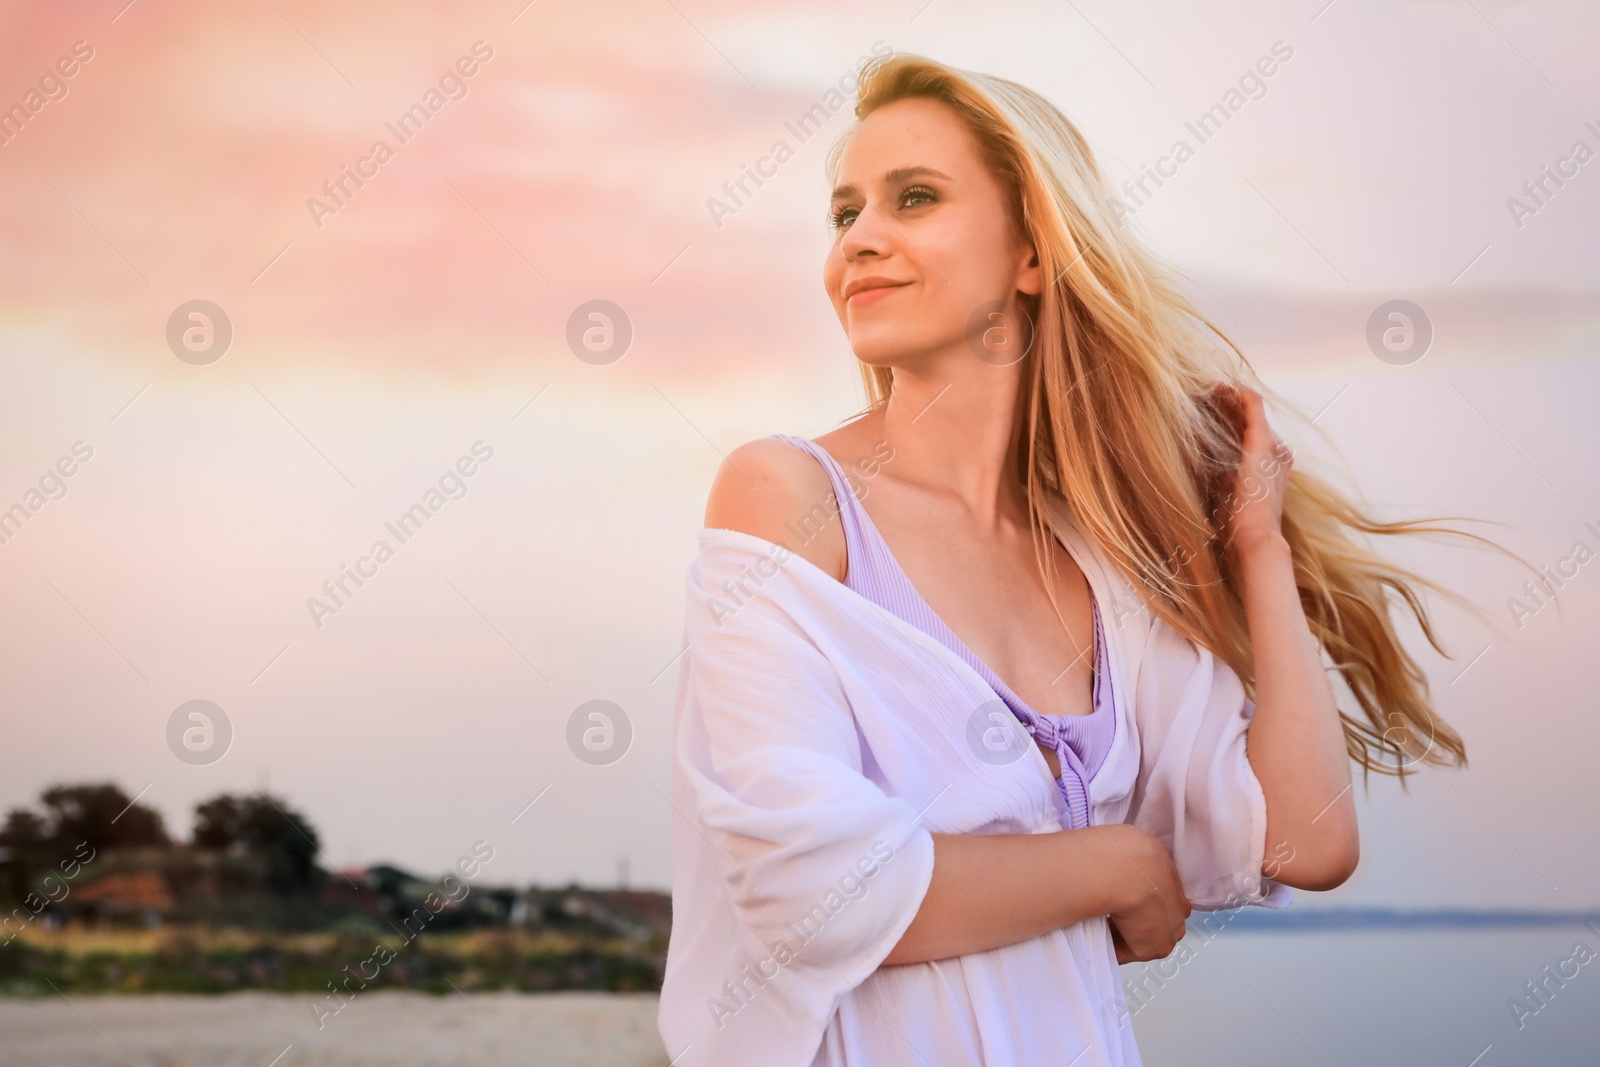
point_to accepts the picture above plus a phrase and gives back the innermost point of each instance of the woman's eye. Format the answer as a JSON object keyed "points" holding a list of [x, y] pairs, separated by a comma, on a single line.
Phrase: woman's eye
{"points": [[915, 196]]}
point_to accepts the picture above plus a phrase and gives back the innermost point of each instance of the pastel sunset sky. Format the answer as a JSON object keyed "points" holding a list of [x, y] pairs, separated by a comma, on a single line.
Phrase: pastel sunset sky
{"points": [[374, 346]]}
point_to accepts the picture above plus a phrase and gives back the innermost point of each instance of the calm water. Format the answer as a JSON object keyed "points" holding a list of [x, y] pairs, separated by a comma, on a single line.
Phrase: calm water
{"points": [[1361, 998], [1349, 998]]}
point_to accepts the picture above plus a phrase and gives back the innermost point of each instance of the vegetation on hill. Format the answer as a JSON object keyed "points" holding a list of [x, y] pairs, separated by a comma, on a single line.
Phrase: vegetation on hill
{"points": [[95, 896]]}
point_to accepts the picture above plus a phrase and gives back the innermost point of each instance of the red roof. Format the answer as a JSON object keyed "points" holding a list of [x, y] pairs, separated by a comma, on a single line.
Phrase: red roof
{"points": [[145, 891]]}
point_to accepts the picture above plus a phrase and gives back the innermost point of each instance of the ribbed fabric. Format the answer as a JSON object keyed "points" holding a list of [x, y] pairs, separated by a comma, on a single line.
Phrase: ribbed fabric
{"points": [[1079, 741]]}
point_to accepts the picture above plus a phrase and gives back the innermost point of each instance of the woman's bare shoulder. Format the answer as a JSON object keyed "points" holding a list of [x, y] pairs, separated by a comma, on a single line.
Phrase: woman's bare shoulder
{"points": [[765, 488]]}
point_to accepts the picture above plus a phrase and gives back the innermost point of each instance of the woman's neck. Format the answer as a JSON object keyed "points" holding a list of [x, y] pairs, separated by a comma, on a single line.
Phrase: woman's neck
{"points": [[958, 433]]}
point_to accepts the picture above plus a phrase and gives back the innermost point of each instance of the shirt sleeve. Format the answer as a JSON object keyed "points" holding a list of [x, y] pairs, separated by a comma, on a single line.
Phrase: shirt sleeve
{"points": [[1196, 791], [819, 868]]}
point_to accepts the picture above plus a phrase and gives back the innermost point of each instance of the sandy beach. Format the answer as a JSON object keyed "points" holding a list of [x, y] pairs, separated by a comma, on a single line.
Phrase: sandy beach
{"points": [[379, 1029]]}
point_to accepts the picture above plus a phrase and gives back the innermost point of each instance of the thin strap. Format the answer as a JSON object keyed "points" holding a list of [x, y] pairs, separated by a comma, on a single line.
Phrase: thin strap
{"points": [[864, 555]]}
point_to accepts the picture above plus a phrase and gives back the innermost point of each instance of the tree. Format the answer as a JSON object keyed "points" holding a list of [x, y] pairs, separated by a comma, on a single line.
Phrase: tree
{"points": [[24, 850], [264, 827], [98, 814], [217, 822], [101, 814]]}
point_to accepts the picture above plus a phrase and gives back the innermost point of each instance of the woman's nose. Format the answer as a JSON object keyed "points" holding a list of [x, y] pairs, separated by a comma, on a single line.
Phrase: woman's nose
{"points": [[869, 235]]}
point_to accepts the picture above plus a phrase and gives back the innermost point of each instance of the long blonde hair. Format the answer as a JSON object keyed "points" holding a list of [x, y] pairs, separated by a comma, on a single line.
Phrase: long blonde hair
{"points": [[1124, 422]]}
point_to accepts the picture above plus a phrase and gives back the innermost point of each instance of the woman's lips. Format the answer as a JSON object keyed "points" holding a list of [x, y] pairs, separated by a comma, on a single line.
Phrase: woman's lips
{"points": [[870, 296]]}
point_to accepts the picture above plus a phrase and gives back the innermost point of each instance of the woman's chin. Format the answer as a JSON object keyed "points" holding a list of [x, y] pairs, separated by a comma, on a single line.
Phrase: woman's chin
{"points": [[883, 348]]}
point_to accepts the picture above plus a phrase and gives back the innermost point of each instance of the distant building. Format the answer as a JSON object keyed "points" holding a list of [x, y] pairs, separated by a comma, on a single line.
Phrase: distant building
{"points": [[141, 897]]}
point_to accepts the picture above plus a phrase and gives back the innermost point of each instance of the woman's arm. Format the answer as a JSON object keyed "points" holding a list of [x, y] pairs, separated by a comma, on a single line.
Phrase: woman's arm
{"points": [[993, 890], [1295, 743]]}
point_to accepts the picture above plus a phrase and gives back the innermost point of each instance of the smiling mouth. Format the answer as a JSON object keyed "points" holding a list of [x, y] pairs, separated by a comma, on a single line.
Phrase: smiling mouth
{"points": [[872, 295]]}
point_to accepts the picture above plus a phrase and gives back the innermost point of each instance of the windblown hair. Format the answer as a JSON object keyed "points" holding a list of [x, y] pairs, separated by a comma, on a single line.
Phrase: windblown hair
{"points": [[1126, 421]]}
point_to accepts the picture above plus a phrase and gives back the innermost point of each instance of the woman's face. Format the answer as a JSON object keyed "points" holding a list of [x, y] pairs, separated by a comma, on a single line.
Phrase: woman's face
{"points": [[923, 240]]}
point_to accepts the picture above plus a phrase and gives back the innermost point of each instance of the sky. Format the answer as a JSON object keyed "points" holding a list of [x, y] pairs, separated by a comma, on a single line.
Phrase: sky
{"points": [[420, 320]]}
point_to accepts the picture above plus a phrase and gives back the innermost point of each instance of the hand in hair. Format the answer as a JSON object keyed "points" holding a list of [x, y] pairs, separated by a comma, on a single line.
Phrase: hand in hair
{"points": [[1253, 498]]}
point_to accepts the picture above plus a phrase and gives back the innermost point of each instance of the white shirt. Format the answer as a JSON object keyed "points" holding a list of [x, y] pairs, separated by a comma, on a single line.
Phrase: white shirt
{"points": [[819, 743]]}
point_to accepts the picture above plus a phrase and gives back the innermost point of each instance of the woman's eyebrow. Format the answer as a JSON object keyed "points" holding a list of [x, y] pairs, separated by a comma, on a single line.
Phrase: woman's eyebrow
{"points": [[899, 174]]}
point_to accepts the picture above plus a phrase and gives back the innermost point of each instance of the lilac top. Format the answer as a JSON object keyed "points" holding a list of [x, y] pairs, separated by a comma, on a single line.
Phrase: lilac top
{"points": [[1080, 741]]}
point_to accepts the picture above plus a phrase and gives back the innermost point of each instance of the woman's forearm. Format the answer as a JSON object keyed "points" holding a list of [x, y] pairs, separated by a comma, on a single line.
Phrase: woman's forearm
{"points": [[994, 890], [1296, 742]]}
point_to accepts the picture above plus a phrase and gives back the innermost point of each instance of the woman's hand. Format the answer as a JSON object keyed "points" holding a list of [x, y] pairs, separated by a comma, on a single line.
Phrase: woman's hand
{"points": [[1252, 499], [1149, 919]]}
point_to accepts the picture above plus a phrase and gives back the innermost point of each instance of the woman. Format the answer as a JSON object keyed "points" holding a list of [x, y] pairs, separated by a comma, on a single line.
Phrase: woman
{"points": [[962, 719]]}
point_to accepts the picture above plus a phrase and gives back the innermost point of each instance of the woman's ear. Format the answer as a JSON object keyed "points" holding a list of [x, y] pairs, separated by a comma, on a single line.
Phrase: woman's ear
{"points": [[1028, 280]]}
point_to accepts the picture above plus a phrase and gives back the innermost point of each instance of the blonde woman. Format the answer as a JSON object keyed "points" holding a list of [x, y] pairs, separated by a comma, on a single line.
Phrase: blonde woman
{"points": [[988, 688]]}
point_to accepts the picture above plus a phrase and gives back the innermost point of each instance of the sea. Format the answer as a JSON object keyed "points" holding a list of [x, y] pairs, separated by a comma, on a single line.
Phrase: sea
{"points": [[1354, 988], [1374, 989]]}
